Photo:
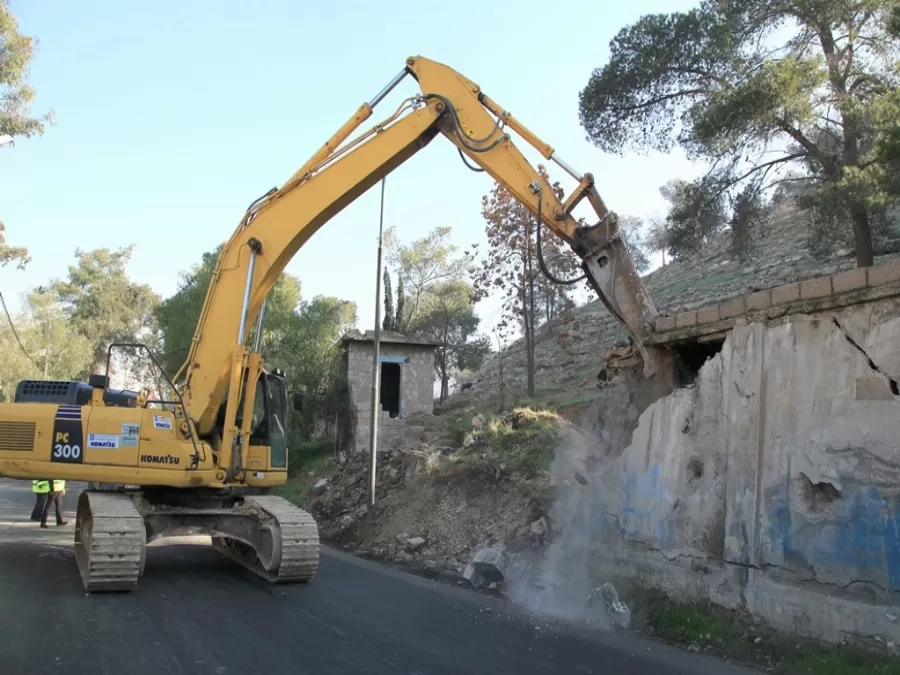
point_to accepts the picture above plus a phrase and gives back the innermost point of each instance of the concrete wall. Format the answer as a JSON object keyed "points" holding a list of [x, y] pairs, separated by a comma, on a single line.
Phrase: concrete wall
{"points": [[416, 388], [773, 482]]}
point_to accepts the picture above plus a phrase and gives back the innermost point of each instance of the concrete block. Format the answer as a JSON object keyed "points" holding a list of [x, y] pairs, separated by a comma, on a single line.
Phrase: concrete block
{"points": [[708, 314], [758, 301], [781, 295], [686, 319], [732, 308], [815, 288], [884, 273], [491, 563], [849, 280], [664, 323]]}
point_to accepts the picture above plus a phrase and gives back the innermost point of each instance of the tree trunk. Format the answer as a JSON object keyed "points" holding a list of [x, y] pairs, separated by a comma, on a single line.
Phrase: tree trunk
{"points": [[862, 235], [445, 380]]}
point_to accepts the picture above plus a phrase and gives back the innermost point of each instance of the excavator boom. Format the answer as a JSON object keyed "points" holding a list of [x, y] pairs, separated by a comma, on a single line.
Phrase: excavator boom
{"points": [[280, 222]]}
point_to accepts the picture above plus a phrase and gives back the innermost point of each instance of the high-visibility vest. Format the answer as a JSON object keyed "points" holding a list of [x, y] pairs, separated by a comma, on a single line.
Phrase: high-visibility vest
{"points": [[59, 485], [40, 487]]}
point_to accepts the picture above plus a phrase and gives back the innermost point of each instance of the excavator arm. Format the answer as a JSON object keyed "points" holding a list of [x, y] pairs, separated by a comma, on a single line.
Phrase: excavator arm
{"points": [[278, 224]]}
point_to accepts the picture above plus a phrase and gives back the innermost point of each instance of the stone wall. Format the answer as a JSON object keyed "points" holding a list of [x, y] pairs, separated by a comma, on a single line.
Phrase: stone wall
{"points": [[416, 390], [773, 482]]}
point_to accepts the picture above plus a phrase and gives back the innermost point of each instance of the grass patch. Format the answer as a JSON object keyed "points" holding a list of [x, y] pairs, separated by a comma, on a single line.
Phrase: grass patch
{"points": [[726, 634], [309, 461], [523, 441]]}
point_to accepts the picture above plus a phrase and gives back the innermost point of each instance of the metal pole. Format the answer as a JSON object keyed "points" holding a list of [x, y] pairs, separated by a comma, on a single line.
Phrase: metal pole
{"points": [[387, 90], [259, 326], [376, 367], [242, 329]]}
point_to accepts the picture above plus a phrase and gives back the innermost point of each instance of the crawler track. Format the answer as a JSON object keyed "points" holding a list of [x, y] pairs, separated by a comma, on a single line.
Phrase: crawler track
{"points": [[110, 542], [290, 537]]}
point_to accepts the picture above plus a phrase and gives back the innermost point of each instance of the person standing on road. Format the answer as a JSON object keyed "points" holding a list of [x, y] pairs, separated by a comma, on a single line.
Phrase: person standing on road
{"points": [[40, 488], [55, 497]]}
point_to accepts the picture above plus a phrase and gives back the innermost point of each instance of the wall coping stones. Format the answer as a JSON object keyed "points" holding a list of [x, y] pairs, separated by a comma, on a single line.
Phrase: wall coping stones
{"points": [[850, 287]]}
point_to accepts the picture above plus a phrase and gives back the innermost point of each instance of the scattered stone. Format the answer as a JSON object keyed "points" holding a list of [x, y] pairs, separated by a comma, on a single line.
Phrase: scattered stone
{"points": [[402, 537], [892, 614], [694, 647], [415, 543], [617, 611], [539, 527], [430, 564], [490, 564], [402, 556], [581, 479], [321, 485], [394, 473], [478, 421], [757, 641], [486, 610], [468, 440]]}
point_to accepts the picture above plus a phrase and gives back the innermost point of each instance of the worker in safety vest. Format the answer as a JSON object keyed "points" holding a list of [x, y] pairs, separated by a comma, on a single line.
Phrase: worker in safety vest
{"points": [[40, 488], [55, 497]]}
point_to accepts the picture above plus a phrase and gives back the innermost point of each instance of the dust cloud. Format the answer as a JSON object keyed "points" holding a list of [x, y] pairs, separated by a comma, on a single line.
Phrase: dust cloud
{"points": [[558, 580]]}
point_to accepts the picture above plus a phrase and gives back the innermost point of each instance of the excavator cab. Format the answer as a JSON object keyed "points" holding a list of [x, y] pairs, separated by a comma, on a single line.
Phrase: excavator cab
{"points": [[269, 423], [269, 427]]}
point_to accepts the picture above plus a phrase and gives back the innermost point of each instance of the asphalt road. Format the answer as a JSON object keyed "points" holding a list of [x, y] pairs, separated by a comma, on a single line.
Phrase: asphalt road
{"points": [[195, 613]]}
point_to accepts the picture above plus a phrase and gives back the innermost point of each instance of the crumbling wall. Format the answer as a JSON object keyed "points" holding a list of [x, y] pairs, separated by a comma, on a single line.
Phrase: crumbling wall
{"points": [[773, 482]]}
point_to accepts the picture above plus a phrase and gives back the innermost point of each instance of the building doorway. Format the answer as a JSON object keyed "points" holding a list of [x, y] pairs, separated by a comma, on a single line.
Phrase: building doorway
{"points": [[390, 388]]}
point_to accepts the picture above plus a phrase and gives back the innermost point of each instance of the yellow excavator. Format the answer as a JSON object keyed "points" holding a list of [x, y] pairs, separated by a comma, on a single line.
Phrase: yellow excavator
{"points": [[206, 460]]}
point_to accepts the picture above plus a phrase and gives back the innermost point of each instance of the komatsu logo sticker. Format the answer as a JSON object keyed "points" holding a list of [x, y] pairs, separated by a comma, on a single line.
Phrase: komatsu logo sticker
{"points": [[130, 434], [103, 441], [160, 459], [68, 440], [160, 422]]}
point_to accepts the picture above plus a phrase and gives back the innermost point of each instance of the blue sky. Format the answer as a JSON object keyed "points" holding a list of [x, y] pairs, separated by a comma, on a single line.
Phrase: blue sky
{"points": [[171, 117]]}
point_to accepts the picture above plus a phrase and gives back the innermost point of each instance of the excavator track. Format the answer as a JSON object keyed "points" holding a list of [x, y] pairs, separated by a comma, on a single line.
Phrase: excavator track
{"points": [[110, 542], [292, 551]]}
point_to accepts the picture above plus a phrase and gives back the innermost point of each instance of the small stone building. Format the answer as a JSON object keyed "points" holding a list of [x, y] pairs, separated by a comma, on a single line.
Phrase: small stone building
{"points": [[407, 382]]}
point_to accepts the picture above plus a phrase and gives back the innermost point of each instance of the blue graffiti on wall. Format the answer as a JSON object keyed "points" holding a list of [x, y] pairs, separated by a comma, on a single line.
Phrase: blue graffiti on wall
{"points": [[646, 507], [862, 535]]}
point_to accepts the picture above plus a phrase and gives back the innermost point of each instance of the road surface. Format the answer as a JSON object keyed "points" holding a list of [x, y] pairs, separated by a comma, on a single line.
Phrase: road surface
{"points": [[196, 613]]}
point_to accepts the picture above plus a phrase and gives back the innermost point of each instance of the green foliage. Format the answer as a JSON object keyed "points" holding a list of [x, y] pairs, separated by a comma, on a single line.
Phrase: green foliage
{"points": [[523, 441], [16, 95], [401, 305], [711, 81], [447, 316], [102, 303], [12, 254], [735, 637], [50, 346], [441, 305], [425, 261], [387, 322], [177, 315], [631, 228]]}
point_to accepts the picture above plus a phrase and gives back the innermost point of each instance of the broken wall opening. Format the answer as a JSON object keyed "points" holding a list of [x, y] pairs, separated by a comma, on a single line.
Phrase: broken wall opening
{"points": [[691, 354], [390, 388]]}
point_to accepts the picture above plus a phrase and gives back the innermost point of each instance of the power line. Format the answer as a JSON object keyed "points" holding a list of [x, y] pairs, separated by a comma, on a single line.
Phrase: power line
{"points": [[12, 325]]}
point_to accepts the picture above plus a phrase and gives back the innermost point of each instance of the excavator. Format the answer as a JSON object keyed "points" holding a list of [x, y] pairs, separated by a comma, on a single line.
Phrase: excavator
{"points": [[207, 460]]}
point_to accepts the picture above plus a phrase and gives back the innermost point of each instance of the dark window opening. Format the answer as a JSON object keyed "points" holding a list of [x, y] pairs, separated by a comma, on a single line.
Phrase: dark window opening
{"points": [[390, 388], [690, 357]]}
